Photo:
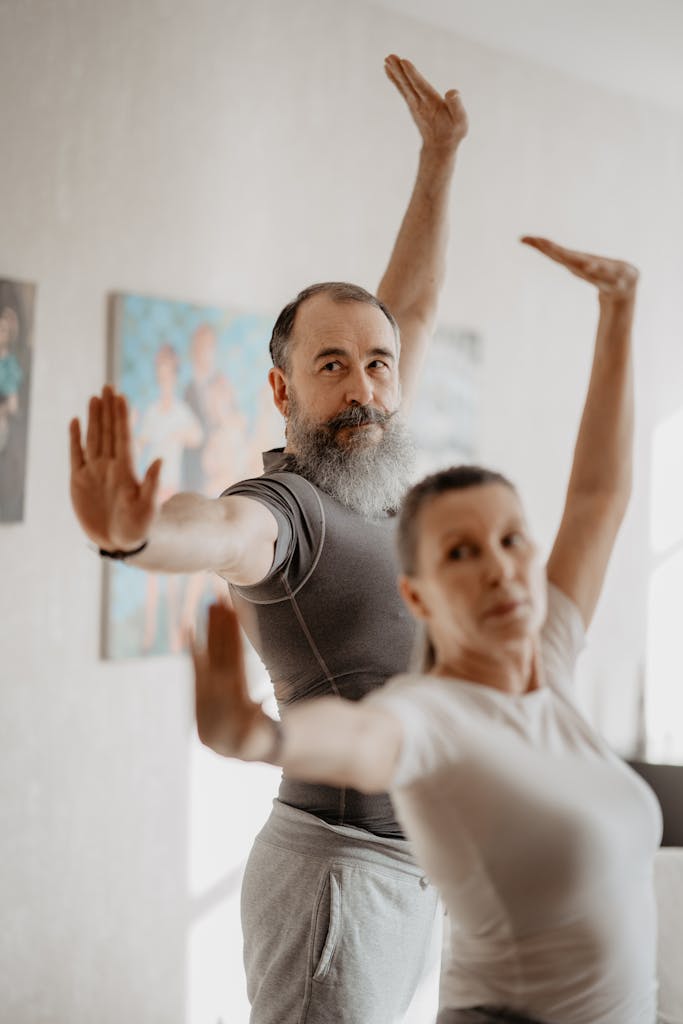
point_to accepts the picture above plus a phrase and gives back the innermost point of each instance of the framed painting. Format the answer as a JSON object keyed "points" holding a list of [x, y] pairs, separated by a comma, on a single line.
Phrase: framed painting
{"points": [[445, 418], [196, 382], [16, 355]]}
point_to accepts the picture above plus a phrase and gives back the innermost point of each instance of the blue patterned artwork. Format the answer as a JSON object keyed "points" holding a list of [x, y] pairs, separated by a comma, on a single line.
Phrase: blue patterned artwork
{"points": [[196, 381], [445, 418], [16, 350]]}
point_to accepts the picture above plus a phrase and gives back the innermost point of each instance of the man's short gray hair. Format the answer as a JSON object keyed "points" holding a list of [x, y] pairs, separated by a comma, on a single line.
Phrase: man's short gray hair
{"points": [[339, 291]]}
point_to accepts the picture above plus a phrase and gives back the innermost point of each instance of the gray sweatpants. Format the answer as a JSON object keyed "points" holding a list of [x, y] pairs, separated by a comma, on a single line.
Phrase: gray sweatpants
{"points": [[339, 925]]}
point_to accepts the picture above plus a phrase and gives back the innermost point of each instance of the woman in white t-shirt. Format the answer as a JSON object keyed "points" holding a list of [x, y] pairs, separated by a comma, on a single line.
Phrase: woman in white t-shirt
{"points": [[540, 840]]}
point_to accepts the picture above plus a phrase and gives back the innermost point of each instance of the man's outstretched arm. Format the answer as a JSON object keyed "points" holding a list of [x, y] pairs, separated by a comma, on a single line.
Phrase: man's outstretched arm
{"points": [[188, 533], [414, 277]]}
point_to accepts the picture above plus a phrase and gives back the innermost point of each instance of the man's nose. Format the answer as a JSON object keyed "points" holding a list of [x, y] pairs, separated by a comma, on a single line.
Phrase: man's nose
{"points": [[359, 389]]}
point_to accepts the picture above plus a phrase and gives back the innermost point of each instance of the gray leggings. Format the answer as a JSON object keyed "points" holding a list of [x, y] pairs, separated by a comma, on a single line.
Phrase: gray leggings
{"points": [[484, 1015]]}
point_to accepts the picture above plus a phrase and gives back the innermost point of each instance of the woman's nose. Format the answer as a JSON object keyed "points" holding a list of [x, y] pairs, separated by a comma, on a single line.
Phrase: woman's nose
{"points": [[499, 566]]}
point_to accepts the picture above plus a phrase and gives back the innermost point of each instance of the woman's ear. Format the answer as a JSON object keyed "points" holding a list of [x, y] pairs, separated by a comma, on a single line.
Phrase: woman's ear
{"points": [[278, 383], [409, 590]]}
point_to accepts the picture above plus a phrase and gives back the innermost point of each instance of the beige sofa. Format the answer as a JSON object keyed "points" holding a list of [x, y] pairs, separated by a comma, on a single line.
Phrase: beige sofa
{"points": [[669, 887]]}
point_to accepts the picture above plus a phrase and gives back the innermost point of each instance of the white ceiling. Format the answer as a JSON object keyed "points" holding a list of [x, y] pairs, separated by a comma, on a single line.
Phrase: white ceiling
{"points": [[629, 46]]}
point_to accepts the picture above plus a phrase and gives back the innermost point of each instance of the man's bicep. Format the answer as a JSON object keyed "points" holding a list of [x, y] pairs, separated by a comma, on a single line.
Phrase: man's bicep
{"points": [[254, 531], [416, 334]]}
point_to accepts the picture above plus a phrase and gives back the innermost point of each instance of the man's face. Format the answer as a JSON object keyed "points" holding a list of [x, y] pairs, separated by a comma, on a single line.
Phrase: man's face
{"points": [[341, 355], [341, 399]]}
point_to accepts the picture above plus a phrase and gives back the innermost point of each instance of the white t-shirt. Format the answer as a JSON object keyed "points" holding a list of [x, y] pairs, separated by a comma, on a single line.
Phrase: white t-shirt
{"points": [[539, 838]]}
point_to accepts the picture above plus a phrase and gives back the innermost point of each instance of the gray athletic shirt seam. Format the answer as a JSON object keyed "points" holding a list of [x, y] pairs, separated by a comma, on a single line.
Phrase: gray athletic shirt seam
{"points": [[290, 593], [321, 661]]}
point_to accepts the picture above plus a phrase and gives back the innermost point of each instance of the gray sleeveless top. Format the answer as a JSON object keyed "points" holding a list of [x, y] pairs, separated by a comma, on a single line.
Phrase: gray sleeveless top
{"points": [[327, 619]]}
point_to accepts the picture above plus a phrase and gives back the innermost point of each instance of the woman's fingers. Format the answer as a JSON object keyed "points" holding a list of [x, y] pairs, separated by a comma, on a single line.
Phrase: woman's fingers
{"points": [[225, 653], [75, 448], [609, 276]]}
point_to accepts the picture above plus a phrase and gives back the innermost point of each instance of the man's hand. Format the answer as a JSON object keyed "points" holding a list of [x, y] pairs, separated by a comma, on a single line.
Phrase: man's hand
{"points": [[112, 506], [441, 120], [228, 720], [615, 280]]}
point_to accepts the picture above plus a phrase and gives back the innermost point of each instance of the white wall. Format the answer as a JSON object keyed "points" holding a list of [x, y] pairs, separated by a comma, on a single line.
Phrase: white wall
{"points": [[230, 153]]}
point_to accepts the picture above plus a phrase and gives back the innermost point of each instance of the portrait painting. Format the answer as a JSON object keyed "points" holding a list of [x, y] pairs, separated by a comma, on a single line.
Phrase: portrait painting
{"points": [[195, 378], [16, 356]]}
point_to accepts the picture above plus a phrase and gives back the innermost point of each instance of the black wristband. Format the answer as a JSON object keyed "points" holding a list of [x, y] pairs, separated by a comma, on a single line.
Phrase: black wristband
{"points": [[120, 556]]}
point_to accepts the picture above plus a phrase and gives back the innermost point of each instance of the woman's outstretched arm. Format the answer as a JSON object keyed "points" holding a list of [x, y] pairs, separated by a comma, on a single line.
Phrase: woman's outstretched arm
{"points": [[329, 740], [600, 482]]}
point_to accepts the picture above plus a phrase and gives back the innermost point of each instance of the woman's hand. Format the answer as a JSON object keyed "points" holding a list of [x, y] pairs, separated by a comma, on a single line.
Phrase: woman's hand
{"points": [[615, 280], [441, 120], [228, 720], [114, 508]]}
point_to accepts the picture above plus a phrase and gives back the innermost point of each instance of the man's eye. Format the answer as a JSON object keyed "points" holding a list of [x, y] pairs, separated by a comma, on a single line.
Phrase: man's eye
{"points": [[378, 364], [330, 367]]}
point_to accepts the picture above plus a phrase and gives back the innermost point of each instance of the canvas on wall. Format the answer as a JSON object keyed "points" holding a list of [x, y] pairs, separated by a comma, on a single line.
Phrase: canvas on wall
{"points": [[444, 421], [16, 349], [196, 382]]}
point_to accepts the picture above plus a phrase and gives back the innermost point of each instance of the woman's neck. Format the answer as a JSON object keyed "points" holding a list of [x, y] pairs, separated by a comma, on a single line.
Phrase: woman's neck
{"points": [[513, 668]]}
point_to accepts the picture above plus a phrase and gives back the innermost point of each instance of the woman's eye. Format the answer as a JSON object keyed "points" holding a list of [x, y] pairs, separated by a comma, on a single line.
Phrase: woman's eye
{"points": [[513, 540], [459, 552]]}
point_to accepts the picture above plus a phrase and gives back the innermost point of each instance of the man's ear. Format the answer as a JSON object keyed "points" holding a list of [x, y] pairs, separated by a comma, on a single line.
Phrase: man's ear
{"points": [[410, 592], [278, 383]]}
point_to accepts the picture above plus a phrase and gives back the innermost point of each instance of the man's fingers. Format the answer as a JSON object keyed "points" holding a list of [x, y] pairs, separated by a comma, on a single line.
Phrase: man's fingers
{"points": [[424, 89], [107, 422], [150, 483], [93, 438], [122, 439], [395, 72], [76, 451]]}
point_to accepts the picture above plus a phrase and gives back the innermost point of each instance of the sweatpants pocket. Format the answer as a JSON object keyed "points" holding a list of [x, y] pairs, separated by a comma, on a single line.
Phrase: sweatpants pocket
{"points": [[327, 925]]}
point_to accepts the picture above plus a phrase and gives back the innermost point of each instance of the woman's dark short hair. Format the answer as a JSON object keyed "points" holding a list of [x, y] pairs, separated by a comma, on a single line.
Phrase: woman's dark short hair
{"points": [[455, 478], [339, 291]]}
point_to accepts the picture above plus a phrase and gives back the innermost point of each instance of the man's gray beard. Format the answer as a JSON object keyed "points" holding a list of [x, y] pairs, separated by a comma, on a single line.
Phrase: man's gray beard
{"points": [[370, 477]]}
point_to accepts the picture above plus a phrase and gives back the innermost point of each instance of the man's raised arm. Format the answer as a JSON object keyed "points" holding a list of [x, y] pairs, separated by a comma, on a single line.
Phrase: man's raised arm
{"points": [[188, 533], [414, 277]]}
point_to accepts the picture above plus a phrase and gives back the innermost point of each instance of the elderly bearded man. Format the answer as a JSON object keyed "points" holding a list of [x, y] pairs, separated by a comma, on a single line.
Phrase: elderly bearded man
{"points": [[337, 919]]}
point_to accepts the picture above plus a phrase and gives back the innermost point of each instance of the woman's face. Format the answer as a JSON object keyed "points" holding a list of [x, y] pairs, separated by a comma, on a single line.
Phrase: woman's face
{"points": [[479, 580]]}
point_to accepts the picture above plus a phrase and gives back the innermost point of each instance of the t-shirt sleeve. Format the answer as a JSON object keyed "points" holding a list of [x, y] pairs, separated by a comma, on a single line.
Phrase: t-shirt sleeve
{"points": [[419, 753], [562, 639], [301, 531]]}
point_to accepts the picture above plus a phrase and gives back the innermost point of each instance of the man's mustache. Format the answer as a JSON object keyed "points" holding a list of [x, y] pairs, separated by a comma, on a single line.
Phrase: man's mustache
{"points": [[358, 416]]}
